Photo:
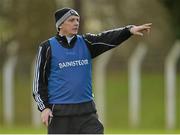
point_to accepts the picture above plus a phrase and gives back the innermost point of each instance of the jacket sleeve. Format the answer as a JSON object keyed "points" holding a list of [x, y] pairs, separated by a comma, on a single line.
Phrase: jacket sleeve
{"points": [[41, 72], [99, 43]]}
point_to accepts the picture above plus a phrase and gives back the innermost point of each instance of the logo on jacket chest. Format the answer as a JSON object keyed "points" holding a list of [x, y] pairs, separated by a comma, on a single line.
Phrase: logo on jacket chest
{"points": [[74, 63]]}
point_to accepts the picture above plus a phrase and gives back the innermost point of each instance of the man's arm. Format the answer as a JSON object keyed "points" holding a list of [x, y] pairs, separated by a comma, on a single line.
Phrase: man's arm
{"points": [[40, 91], [99, 43]]}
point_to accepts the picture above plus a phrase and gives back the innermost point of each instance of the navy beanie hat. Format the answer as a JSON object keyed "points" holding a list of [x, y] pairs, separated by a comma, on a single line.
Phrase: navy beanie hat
{"points": [[62, 14]]}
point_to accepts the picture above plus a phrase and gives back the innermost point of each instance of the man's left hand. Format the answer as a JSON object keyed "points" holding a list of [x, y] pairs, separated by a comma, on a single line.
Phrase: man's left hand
{"points": [[139, 30]]}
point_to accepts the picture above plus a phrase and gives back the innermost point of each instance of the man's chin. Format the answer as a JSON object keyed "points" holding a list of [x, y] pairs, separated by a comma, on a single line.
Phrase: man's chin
{"points": [[75, 33]]}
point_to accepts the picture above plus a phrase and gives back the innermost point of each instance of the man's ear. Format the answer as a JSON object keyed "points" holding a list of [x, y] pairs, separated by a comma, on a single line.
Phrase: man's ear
{"points": [[60, 27]]}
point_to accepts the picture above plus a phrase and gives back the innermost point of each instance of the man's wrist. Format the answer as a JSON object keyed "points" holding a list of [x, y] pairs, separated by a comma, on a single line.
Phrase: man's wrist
{"points": [[129, 27], [46, 109]]}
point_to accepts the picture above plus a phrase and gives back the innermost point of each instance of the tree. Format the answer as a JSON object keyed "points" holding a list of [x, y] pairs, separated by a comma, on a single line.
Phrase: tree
{"points": [[28, 22], [173, 7], [78, 7]]}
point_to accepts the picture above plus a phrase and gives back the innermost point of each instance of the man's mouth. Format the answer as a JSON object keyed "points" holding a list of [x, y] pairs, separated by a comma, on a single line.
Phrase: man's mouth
{"points": [[75, 28]]}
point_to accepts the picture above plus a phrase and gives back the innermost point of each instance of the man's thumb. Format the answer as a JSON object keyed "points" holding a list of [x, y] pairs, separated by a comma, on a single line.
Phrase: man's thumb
{"points": [[50, 114], [139, 33]]}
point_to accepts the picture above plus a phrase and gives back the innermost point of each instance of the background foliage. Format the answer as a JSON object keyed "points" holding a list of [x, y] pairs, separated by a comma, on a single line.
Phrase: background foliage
{"points": [[29, 22]]}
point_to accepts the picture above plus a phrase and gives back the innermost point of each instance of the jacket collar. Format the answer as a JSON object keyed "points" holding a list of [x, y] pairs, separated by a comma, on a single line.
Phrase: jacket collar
{"points": [[63, 41]]}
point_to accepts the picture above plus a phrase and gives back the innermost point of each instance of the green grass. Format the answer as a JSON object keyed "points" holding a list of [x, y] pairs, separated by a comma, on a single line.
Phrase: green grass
{"points": [[133, 131], [42, 130], [152, 109], [22, 130]]}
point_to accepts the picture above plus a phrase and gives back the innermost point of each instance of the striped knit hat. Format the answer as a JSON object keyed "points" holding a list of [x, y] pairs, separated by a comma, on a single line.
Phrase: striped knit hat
{"points": [[62, 14]]}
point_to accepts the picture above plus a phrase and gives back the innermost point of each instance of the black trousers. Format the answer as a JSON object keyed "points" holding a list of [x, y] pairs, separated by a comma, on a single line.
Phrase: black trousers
{"points": [[77, 124]]}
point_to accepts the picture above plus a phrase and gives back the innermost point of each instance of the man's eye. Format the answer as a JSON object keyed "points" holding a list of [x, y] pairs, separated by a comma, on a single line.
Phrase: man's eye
{"points": [[72, 20]]}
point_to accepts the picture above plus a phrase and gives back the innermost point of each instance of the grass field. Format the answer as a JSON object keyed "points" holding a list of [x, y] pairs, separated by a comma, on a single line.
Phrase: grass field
{"points": [[152, 109], [31, 130]]}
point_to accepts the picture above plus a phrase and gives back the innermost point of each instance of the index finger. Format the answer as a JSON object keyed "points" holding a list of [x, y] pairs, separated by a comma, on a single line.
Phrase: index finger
{"points": [[148, 24]]}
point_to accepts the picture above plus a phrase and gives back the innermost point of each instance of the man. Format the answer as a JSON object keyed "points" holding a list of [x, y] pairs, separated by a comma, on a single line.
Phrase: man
{"points": [[62, 84]]}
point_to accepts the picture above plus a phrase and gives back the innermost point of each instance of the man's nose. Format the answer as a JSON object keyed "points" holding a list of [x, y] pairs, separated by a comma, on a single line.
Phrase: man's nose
{"points": [[76, 22]]}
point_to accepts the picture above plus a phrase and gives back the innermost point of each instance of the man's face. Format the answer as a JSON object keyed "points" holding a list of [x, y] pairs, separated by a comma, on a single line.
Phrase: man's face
{"points": [[70, 26]]}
